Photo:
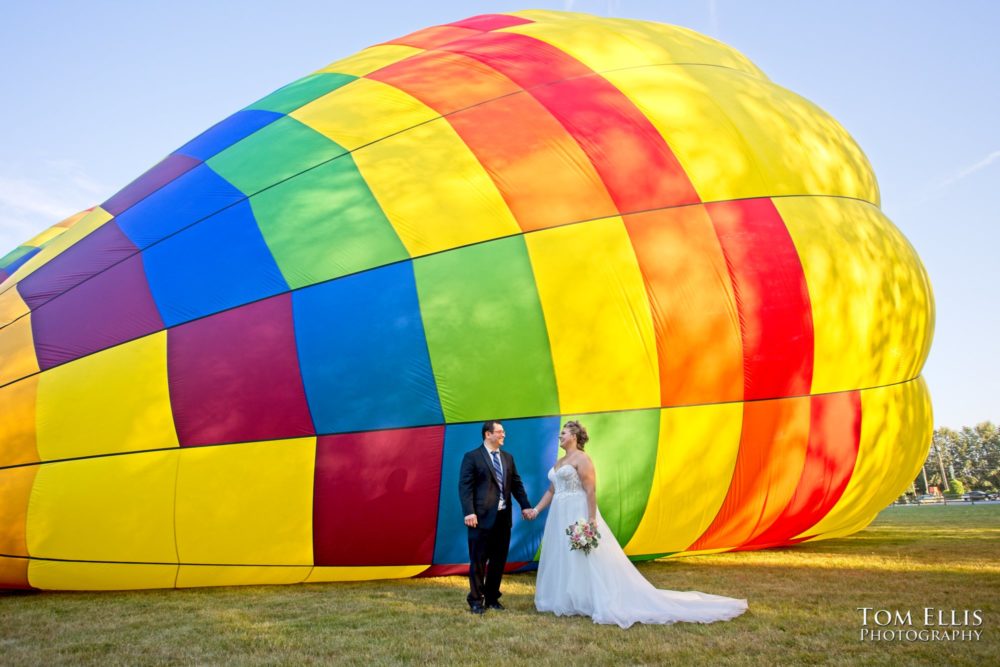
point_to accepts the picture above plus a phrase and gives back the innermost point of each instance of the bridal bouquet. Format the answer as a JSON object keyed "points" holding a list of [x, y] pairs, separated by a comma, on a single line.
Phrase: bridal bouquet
{"points": [[583, 536]]}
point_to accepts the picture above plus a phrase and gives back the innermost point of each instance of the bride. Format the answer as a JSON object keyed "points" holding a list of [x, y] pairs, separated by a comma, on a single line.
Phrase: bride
{"points": [[603, 584]]}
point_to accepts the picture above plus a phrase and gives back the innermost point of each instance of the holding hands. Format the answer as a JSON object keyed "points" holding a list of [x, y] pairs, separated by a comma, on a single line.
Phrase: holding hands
{"points": [[529, 514]]}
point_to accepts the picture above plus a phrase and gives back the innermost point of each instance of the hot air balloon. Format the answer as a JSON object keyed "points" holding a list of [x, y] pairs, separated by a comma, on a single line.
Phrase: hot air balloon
{"points": [[262, 360]]}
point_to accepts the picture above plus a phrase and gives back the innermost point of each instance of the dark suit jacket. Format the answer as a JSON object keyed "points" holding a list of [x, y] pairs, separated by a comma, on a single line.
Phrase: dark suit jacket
{"points": [[478, 489]]}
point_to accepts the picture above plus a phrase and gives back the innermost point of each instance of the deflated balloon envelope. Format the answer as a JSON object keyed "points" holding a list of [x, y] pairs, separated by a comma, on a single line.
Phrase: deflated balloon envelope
{"points": [[262, 361]]}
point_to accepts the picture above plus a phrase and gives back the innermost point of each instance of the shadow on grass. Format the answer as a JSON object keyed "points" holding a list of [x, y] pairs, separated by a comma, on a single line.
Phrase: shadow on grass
{"points": [[803, 602]]}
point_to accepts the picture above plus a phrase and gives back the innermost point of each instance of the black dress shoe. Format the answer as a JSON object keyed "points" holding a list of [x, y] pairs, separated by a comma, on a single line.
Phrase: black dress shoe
{"points": [[477, 608], [496, 605]]}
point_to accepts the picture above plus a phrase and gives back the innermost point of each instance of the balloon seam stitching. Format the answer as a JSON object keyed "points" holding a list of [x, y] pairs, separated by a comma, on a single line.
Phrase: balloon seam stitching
{"points": [[381, 266], [457, 423]]}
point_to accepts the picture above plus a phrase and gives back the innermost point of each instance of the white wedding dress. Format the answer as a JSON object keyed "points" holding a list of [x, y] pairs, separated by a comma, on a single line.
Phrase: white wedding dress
{"points": [[604, 584]]}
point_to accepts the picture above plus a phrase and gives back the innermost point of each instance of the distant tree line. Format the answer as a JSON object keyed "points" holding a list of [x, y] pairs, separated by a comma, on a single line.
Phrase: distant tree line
{"points": [[962, 460]]}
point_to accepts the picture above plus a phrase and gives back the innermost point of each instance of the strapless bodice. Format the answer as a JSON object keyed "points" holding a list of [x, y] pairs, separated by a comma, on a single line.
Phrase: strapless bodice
{"points": [[565, 480]]}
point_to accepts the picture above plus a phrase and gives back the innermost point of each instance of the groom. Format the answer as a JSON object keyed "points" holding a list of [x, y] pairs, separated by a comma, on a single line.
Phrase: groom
{"points": [[487, 479]]}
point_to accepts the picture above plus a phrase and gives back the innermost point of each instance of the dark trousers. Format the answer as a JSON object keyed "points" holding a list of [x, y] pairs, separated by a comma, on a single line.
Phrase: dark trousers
{"points": [[487, 558]]}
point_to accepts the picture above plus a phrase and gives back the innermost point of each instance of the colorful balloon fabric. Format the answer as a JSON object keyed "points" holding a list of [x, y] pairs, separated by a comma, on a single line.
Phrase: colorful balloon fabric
{"points": [[262, 361], [13, 260]]}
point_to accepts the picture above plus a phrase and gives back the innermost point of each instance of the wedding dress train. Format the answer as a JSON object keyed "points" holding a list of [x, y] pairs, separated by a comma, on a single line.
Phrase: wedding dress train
{"points": [[604, 584]]}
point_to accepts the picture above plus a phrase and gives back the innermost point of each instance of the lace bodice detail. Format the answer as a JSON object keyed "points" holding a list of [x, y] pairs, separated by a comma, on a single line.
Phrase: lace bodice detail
{"points": [[565, 480]]}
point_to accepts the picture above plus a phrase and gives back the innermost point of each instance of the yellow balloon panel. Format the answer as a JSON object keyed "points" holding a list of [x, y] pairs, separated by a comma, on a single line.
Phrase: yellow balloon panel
{"points": [[64, 576], [549, 15], [597, 315], [739, 137], [426, 180], [45, 236], [371, 59], [362, 112], [871, 303], [17, 350], [56, 229], [191, 576], [608, 44], [12, 306], [15, 490], [17, 422], [247, 504], [117, 400], [695, 459], [91, 221], [110, 508]]}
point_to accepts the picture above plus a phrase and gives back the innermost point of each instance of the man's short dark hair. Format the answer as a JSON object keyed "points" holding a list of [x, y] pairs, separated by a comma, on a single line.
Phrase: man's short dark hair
{"points": [[488, 427]]}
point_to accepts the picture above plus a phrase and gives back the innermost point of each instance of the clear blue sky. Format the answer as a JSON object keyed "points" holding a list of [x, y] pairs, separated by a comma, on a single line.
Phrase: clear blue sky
{"points": [[96, 92]]}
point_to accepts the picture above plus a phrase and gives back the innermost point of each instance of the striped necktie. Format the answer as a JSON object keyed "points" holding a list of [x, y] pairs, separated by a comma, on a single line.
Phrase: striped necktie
{"points": [[497, 471]]}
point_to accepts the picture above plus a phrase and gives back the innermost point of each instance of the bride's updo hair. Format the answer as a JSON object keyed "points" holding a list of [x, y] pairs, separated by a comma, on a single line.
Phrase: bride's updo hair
{"points": [[577, 429]]}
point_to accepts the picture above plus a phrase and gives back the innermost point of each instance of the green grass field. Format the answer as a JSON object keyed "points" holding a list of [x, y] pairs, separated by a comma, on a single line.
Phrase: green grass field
{"points": [[803, 610]]}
